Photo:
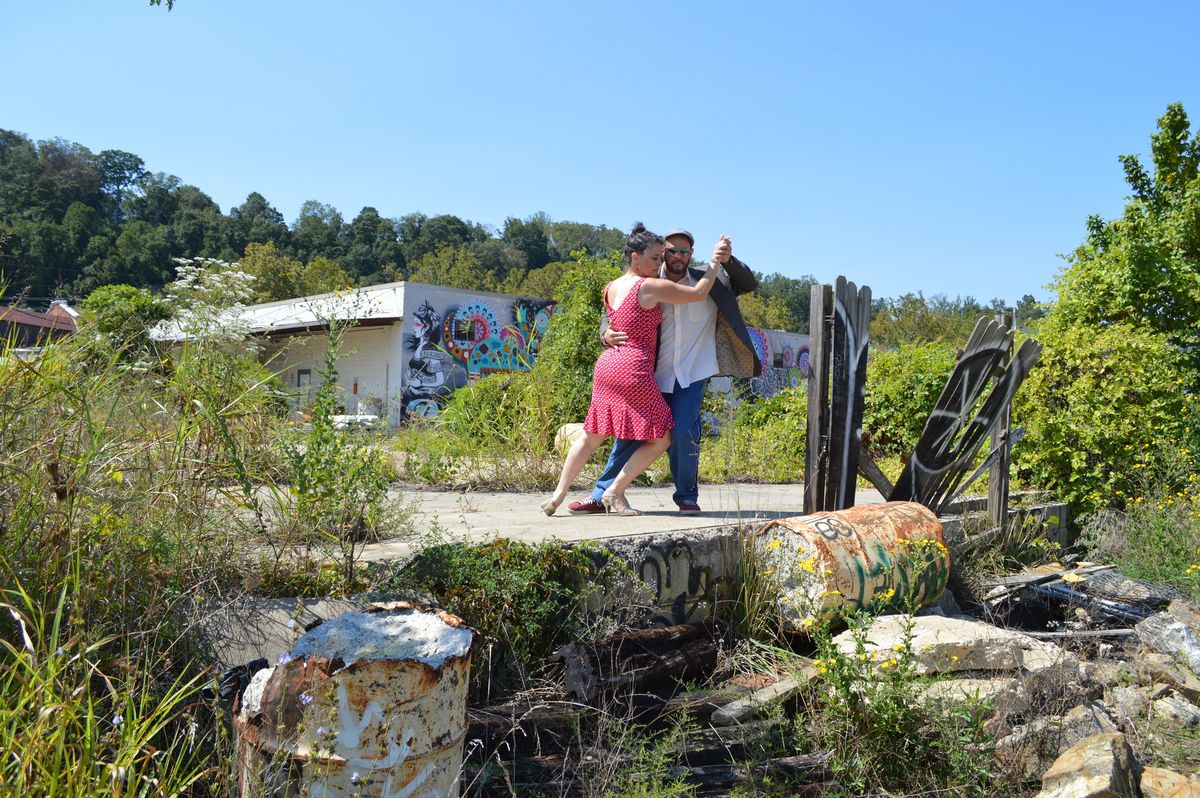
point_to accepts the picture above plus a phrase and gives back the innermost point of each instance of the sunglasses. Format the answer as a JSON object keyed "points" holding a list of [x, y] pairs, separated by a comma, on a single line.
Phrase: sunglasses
{"points": [[679, 251]]}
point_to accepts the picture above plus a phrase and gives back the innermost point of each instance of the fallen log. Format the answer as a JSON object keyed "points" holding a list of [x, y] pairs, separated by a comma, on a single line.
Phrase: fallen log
{"points": [[525, 727], [807, 774], [643, 660]]}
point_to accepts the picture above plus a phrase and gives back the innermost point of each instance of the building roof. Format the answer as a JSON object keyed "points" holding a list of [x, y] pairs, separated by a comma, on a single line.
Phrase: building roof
{"points": [[378, 303], [31, 318]]}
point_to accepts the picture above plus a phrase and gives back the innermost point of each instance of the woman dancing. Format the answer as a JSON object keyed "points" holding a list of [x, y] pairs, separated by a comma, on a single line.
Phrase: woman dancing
{"points": [[626, 401]]}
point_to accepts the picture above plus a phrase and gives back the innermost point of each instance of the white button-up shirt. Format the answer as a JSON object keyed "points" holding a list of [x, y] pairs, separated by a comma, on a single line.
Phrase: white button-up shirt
{"points": [[687, 348]]}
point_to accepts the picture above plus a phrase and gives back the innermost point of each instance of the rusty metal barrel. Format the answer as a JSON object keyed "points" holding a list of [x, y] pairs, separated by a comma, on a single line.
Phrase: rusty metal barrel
{"points": [[889, 555], [369, 704]]}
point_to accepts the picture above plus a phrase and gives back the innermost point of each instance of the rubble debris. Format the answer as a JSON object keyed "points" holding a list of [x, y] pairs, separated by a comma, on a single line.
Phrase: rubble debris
{"points": [[1100, 766], [1044, 739], [638, 661], [1163, 783], [1175, 709], [1165, 669], [944, 645], [1166, 634]]}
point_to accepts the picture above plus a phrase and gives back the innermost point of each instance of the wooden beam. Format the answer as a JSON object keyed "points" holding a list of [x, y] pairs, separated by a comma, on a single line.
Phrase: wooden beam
{"points": [[816, 455]]}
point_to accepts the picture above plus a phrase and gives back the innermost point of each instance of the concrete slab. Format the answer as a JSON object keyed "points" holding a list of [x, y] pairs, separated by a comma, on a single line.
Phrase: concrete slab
{"points": [[483, 515]]}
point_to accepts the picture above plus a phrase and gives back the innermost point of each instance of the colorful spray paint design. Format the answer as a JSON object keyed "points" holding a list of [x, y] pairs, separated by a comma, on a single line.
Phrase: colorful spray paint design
{"points": [[787, 368], [466, 342]]}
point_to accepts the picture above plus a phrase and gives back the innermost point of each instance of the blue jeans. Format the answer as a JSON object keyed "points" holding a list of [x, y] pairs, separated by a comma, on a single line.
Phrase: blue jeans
{"points": [[684, 454]]}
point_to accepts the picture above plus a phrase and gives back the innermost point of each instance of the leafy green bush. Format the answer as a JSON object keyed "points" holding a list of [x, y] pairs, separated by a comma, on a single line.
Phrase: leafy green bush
{"points": [[885, 736], [524, 600], [1157, 535], [124, 314], [760, 441], [572, 344], [903, 385], [1103, 405]]}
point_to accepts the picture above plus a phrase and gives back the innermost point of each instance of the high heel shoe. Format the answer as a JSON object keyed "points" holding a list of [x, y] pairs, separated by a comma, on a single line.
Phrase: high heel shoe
{"points": [[550, 505], [613, 504]]}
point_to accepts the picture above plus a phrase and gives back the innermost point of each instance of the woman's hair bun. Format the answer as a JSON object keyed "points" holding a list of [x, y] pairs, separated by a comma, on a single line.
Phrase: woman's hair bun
{"points": [[638, 227]]}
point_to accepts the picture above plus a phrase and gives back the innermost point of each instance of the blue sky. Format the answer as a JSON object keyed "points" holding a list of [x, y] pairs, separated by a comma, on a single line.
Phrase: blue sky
{"points": [[949, 148]]}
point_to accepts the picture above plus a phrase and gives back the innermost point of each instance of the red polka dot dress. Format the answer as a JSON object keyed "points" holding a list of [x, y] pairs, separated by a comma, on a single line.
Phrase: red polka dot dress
{"points": [[626, 402]]}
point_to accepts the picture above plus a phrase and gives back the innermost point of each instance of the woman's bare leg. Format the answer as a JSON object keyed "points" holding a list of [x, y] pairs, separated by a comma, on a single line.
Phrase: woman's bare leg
{"points": [[642, 459], [581, 451]]}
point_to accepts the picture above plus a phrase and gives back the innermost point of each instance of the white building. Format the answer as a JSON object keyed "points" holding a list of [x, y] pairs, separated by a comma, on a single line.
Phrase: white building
{"points": [[413, 344], [410, 347]]}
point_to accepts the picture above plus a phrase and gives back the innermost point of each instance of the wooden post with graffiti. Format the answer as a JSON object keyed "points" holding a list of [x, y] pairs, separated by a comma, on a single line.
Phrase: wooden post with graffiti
{"points": [[997, 502], [820, 323], [936, 472], [836, 393]]}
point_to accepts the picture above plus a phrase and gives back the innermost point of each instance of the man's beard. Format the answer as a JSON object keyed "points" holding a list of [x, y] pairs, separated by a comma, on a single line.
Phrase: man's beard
{"points": [[679, 272]]}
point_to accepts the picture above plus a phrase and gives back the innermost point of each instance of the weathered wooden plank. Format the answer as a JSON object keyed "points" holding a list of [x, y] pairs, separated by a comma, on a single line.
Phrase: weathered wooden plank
{"points": [[873, 474], [998, 473], [741, 709], [954, 431], [817, 435], [851, 321], [640, 660]]}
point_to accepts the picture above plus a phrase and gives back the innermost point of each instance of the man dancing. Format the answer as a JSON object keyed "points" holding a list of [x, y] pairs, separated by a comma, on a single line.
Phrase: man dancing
{"points": [[695, 342]]}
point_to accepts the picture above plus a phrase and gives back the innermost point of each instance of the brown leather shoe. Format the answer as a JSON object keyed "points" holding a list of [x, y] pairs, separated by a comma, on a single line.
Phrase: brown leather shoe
{"points": [[689, 508], [589, 507]]}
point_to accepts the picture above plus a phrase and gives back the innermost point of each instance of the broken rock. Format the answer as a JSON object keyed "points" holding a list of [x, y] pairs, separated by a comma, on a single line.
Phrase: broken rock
{"points": [[1055, 686], [944, 645], [1096, 767], [1128, 704], [1177, 710], [1166, 634], [1160, 782], [1162, 668]]}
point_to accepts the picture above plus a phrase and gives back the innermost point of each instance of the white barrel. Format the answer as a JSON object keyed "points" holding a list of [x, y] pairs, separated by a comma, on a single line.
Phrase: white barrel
{"points": [[369, 704]]}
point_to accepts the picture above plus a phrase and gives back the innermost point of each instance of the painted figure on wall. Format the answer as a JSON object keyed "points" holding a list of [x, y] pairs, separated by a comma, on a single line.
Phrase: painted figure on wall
{"points": [[426, 380]]}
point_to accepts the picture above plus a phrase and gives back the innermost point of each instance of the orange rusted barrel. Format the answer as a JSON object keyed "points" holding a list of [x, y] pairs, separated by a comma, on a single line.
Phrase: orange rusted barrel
{"points": [[889, 555], [367, 704]]}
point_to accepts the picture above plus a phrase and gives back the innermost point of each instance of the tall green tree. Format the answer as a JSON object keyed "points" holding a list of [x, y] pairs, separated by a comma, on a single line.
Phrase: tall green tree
{"points": [[1144, 268], [277, 276], [1106, 403], [371, 247], [120, 173], [317, 231], [256, 222], [421, 235], [529, 236], [453, 268]]}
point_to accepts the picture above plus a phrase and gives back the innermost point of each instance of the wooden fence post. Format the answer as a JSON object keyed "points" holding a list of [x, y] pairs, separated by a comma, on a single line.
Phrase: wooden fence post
{"points": [[997, 501], [816, 457]]}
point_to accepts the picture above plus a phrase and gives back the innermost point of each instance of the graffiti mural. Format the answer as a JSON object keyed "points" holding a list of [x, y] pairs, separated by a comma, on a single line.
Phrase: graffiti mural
{"points": [[427, 378], [784, 359], [683, 585], [460, 343]]}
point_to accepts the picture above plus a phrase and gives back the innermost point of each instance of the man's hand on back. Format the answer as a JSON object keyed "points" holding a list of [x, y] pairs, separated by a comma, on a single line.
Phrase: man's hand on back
{"points": [[615, 337]]}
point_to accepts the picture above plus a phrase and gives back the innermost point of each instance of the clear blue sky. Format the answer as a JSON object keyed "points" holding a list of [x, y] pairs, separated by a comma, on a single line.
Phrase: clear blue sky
{"points": [[950, 147]]}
